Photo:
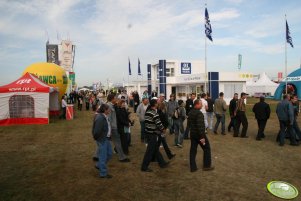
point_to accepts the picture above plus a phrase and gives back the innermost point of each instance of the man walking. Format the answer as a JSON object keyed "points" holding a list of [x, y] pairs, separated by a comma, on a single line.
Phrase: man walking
{"points": [[198, 137], [153, 128], [232, 111], [241, 117], [262, 114], [114, 130], [141, 112], [220, 107], [172, 105], [285, 113], [188, 107], [210, 111]]}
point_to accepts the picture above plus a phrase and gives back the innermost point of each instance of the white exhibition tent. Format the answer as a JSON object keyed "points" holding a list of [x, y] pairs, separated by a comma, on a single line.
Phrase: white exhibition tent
{"points": [[27, 100], [262, 85]]}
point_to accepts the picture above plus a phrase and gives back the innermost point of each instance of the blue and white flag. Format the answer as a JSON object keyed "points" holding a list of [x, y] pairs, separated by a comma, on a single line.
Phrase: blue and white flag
{"points": [[288, 36], [130, 71], [208, 29], [139, 70]]}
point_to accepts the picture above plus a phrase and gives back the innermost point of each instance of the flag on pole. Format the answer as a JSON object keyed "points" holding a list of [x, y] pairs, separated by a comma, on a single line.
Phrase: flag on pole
{"points": [[139, 70], [288, 36], [208, 29], [130, 71]]}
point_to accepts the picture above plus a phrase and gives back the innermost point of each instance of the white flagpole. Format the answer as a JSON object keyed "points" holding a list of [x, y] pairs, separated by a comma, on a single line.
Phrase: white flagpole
{"points": [[285, 57]]}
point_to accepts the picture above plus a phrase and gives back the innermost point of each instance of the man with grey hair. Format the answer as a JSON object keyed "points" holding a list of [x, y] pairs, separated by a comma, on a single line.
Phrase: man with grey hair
{"points": [[141, 114]]}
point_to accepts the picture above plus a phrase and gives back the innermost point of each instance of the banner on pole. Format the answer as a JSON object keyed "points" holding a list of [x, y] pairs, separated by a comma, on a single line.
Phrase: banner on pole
{"points": [[66, 56]]}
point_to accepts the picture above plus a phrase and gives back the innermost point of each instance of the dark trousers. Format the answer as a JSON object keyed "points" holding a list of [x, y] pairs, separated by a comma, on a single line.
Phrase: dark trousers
{"points": [[152, 150], [286, 127], [241, 119], [232, 123], [297, 129], [165, 145], [193, 152], [136, 104], [261, 126], [63, 115], [124, 142], [186, 133], [87, 105]]}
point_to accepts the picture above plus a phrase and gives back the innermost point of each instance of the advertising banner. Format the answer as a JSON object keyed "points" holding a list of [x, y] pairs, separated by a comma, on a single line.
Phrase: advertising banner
{"points": [[52, 54], [72, 77], [149, 78], [67, 55]]}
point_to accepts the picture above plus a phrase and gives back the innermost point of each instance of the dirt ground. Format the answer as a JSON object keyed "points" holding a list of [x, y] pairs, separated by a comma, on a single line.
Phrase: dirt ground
{"points": [[54, 162]]}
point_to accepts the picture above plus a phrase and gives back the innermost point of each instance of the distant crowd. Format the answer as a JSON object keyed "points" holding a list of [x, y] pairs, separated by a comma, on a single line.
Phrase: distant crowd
{"points": [[156, 115]]}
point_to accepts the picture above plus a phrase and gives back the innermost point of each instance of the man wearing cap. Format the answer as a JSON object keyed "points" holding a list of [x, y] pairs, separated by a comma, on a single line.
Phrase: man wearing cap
{"points": [[241, 116]]}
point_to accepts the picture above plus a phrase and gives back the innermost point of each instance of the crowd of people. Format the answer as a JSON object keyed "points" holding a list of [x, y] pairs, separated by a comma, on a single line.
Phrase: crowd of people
{"points": [[157, 115]]}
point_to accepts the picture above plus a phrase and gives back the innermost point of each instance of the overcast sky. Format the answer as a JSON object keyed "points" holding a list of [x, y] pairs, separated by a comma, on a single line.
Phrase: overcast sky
{"points": [[107, 32]]}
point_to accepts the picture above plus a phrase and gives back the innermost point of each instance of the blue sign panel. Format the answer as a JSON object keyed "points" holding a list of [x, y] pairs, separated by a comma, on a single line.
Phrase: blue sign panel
{"points": [[185, 68]]}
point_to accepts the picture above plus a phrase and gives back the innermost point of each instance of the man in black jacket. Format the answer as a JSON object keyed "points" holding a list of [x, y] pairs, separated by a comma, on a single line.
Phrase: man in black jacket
{"points": [[198, 137], [188, 107], [262, 114], [232, 108]]}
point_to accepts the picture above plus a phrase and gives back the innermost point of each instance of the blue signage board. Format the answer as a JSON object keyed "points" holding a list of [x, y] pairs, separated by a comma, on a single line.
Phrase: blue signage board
{"points": [[185, 68]]}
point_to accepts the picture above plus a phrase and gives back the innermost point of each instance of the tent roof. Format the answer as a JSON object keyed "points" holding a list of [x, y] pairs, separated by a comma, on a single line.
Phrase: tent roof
{"points": [[264, 80], [27, 83]]}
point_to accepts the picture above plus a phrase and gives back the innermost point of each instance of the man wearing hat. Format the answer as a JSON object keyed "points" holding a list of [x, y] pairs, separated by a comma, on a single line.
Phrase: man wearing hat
{"points": [[241, 116]]}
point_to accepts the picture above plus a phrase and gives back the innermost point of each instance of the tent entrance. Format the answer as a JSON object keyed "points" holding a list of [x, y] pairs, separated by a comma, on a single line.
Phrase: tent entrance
{"points": [[21, 106]]}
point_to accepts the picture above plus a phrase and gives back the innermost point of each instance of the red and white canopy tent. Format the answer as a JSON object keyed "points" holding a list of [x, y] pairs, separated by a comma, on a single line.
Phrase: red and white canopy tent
{"points": [[27, 100]]}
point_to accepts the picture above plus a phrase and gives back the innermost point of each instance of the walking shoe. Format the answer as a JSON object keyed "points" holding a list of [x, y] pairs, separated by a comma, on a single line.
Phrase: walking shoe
{"points": [[235, 135], [147, 170], [244, 136], [215, 132], [294, 144], [223, 133], [95, 158], [107, 176], [208, 168], [125, 160], [193, 170], [229, 130], [179, 145], [171, 156]]}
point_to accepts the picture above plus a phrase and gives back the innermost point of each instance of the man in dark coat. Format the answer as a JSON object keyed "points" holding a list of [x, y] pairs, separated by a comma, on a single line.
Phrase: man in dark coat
{"points": [[198, 137], [262, 113], [232, 108], [188, 107]]}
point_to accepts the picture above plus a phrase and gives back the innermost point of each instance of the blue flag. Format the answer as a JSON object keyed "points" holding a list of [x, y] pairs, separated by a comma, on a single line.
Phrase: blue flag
{"points": [[139, 70], [130, 71], [288, 36], [208, 29]]}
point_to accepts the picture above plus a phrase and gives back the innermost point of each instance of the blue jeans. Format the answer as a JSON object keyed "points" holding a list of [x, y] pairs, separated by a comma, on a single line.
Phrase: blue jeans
{"points": [[179, 131], [170, 125], [104, 155], [220, 118], [285, 126]]}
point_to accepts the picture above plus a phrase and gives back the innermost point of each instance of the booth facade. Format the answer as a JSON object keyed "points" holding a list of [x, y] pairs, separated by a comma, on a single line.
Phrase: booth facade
{"points": [[185, 77]]}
